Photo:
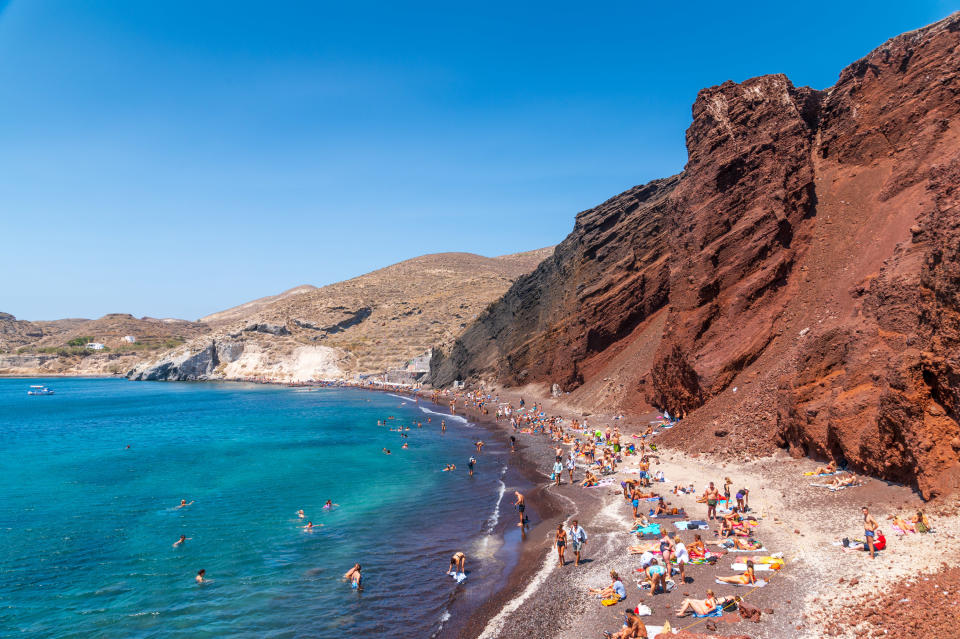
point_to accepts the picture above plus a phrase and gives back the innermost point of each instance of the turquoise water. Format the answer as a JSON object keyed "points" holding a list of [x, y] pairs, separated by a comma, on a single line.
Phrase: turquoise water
{"points": [[87, 525]]}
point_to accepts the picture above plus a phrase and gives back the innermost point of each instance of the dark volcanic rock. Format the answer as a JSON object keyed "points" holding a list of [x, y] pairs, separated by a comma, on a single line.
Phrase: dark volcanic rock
{"points": [[804, 270]]}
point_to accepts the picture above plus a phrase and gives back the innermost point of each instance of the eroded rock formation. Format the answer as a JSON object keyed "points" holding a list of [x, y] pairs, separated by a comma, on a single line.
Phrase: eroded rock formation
{"points": [[797, 285]]}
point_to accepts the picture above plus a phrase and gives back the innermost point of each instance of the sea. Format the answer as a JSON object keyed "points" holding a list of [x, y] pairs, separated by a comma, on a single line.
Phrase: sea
{"points": [[92, 477]]}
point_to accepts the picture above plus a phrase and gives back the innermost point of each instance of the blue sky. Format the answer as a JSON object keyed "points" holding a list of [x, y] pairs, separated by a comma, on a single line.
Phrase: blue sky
{"points": [[177, 158]]}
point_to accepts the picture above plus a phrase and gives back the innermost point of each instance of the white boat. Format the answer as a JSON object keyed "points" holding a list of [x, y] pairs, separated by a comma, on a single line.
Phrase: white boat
{"points": [[39, 389]]}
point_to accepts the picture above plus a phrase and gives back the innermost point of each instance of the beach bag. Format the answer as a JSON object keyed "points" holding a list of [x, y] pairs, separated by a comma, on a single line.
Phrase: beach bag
{"points": [[610, 602], [553, 476]]}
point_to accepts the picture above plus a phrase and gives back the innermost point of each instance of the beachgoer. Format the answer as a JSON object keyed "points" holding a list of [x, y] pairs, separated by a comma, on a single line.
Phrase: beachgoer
{"points": [[561, 539], [666, 549], [184, 504], [578, 538], [661, 508], [201, 576], [557, 471], [921, 523], [329, 505], [697, 548], [356, 579], [698, 606], [870, 526], [656, 577], [457, 563], [682, 557], [727, 483], [443, 425], [470, 463], [744, 579], [633, 627], [182, 539], [615, 590], [479, 446], [829, 469], [740, 495], [520, 506], [712, 495], [300, 513], [571, 464], [513, 444], [349, 574]]}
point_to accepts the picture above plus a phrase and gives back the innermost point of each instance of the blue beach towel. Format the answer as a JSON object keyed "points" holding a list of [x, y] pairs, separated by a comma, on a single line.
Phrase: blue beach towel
{"points": [[717, 612]]}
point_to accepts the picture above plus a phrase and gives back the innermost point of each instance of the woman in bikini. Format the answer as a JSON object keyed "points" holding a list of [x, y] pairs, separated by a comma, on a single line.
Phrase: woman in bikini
{"points": [[561, 542], [698, 606], [697, 549], [744, 579]]}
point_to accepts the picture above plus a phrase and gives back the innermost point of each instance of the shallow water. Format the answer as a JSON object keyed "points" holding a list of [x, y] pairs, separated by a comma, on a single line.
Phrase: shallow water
{"points": [[87, 525]]}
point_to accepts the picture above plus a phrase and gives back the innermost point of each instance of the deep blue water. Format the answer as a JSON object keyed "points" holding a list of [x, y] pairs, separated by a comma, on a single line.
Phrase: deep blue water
{"points": [[87, 525]]}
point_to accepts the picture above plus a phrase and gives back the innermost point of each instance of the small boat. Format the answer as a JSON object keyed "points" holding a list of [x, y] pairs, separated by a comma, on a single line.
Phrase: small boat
{"points": [[37, 389]]}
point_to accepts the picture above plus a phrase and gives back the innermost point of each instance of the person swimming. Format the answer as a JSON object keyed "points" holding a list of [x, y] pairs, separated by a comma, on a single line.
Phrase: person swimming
{"points": [[329, 505], [300, 514], [309, 527], [184, 504], [201, 576], [182, 539]]}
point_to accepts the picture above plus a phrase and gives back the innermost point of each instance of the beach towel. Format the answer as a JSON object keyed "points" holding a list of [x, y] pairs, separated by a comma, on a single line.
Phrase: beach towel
{"points": [[652, 529], [610, 602], [812, 474], [717, 612], [750, 550], [691, 525]]}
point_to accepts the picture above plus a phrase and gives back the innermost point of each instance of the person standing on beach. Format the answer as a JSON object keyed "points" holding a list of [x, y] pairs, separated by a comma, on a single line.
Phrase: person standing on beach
{"points": [[470, 464], [571, 464], [712, 495], [513, 444], [520, 506], [557, 471], [578, 537], [561, 542], [870, 526]]}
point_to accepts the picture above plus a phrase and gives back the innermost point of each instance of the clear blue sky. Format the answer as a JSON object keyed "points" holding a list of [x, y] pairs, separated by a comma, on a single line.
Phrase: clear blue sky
{"points": [[177, 158]]}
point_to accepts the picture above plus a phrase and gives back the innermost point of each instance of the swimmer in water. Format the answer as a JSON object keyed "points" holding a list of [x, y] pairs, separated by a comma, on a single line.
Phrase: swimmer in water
{"points": [[404, 447], [184, 504], [182, 539], [329, 505], [309, 527], [300, 513], [443, 425], [201, 576], [386, 451]]}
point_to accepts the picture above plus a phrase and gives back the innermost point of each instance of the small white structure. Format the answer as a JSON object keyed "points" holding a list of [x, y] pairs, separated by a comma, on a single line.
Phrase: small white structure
{"points": [[130, 339], [95, 346]]}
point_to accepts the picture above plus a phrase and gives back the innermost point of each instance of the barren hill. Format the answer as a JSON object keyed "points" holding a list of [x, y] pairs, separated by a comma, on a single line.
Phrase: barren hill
{"points": [[797, 285], [368, 324]]}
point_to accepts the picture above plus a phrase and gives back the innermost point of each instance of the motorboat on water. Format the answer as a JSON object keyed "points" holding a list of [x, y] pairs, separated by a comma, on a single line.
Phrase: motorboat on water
{"points": [[39, 389]]}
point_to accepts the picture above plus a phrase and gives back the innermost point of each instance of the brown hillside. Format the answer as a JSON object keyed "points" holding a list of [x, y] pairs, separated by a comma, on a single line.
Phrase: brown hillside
{"points": [[368, 324]]}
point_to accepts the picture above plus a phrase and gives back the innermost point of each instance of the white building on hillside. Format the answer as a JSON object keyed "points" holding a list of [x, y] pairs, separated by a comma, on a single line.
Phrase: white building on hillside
{"points": [[95, 346], [129, 338]]}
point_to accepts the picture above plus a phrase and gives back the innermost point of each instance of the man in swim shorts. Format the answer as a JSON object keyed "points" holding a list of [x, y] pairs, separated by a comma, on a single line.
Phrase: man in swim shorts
{"points": [[713, 496], [578, 538], [870, 526], [520, 506], [470, 464]]}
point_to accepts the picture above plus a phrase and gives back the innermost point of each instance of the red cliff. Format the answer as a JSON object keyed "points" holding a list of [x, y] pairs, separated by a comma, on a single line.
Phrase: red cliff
{"points": [[797, 285]]}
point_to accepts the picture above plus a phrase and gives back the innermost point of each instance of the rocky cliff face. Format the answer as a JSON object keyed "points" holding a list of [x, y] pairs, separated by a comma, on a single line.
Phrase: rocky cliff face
{"points": [[796, 285]]}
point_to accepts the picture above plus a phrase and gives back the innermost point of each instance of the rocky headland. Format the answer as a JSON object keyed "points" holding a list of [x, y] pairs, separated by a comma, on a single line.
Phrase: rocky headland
{"points": [[796, 286]]}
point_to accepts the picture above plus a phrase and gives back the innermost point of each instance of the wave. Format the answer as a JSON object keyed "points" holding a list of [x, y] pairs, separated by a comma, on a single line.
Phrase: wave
{"points": [[495, 516], [455, 418]]}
